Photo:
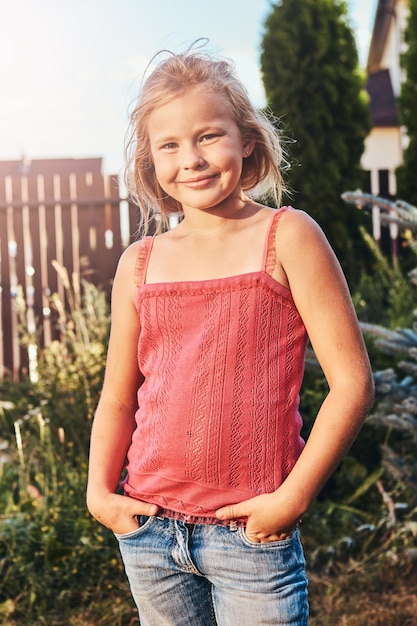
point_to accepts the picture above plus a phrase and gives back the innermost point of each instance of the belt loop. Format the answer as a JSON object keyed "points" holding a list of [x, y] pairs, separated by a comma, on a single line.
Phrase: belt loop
{"points": [[233, 526]]}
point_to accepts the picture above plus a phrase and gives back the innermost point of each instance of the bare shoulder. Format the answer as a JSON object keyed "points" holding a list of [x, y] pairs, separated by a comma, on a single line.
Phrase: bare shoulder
{"points": [[129, 255], [296, 224], [124, 280], [299, 234], [304, 255], [128, 259]]}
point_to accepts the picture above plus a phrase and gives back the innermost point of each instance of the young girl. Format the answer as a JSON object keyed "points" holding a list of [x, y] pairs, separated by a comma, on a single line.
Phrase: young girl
{"points": [[209, 327]]}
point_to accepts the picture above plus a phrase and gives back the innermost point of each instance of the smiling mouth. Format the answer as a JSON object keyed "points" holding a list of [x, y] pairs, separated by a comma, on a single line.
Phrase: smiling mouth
{"points": [[199, 182]]}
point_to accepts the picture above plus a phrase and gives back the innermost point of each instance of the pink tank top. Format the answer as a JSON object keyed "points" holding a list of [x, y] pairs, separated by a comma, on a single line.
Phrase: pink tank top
{"points": [[223, 362]]}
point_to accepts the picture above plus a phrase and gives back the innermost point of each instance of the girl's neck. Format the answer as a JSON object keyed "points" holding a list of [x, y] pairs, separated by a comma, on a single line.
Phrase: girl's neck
{"points": [[220, 219]]}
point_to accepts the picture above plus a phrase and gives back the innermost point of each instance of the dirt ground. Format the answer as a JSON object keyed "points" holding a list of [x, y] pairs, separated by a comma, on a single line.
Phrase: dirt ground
{"points": [[377, 598]]}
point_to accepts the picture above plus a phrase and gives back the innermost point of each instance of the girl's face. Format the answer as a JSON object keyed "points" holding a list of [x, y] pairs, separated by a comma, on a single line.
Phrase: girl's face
{"points": [[197, 149]]}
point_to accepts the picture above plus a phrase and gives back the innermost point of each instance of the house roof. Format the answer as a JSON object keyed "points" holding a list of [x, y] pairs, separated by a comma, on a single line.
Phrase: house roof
{"points": [[383, 105], [384, 13]]}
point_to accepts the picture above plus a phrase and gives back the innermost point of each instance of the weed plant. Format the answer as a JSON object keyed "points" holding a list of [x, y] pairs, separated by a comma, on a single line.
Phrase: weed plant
{"points": [[56, 562]]}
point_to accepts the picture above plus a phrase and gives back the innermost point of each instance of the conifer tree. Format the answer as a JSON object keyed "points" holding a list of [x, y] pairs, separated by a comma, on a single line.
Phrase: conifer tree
{"points": [[314, 86], [407, 173]]}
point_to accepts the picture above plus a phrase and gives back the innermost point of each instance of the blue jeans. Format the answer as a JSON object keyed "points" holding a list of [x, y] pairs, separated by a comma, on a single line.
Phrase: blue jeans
{"points": [[204, 575]]}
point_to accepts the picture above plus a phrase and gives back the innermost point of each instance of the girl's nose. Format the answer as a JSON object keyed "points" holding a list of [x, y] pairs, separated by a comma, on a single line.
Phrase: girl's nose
{"points": [[192, 159]]}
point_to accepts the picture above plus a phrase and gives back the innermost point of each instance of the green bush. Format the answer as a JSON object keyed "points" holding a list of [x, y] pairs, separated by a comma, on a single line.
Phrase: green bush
{"points": [[367, 512], [56, 562]]}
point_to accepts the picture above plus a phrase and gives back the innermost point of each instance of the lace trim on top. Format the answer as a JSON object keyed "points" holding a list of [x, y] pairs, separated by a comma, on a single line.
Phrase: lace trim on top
{"points": [[142, 260], [270, 248]]}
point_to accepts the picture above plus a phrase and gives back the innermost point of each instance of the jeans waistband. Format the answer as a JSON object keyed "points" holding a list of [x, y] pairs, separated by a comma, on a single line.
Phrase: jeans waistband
{"points": [[199, 519]]}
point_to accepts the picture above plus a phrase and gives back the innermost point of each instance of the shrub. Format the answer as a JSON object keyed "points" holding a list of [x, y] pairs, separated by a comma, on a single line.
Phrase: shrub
{"points": [[54, 558]]}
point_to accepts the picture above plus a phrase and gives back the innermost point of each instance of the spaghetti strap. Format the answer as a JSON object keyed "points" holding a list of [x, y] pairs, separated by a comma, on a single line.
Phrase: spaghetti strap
{"points": [[142, 260], [270, 250]]}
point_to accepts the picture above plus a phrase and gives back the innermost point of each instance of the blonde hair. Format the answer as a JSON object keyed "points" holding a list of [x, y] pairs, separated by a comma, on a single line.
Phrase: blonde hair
{"points": [[172, 78]]}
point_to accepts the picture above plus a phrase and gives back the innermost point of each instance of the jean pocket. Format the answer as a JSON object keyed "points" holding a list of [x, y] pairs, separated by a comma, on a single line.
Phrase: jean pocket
{"points": [[267, 544], [144, 523]]}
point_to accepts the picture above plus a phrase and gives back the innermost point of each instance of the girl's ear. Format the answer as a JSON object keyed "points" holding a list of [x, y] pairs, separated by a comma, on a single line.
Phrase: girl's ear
{"points": [[248, 148]]}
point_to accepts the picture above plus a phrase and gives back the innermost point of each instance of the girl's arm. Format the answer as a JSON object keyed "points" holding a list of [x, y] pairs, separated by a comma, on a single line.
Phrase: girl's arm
{"points": [[114, 421], [322, 298]]}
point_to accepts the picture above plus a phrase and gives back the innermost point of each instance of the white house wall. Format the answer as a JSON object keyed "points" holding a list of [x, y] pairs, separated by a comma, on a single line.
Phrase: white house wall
{"points": [[395, 45], [382, 152], [382, 149]]}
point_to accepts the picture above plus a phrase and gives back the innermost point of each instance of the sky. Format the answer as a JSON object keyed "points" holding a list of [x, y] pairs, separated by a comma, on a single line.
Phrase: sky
{"points": [[70, 69]]}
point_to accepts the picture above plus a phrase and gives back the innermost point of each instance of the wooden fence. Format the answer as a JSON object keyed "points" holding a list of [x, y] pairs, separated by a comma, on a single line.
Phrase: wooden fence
{"points": [[62, 210]]}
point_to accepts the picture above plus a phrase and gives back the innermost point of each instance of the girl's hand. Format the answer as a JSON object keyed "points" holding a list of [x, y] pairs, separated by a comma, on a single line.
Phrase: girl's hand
{"points": [[266, 520], [120, 513]]}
